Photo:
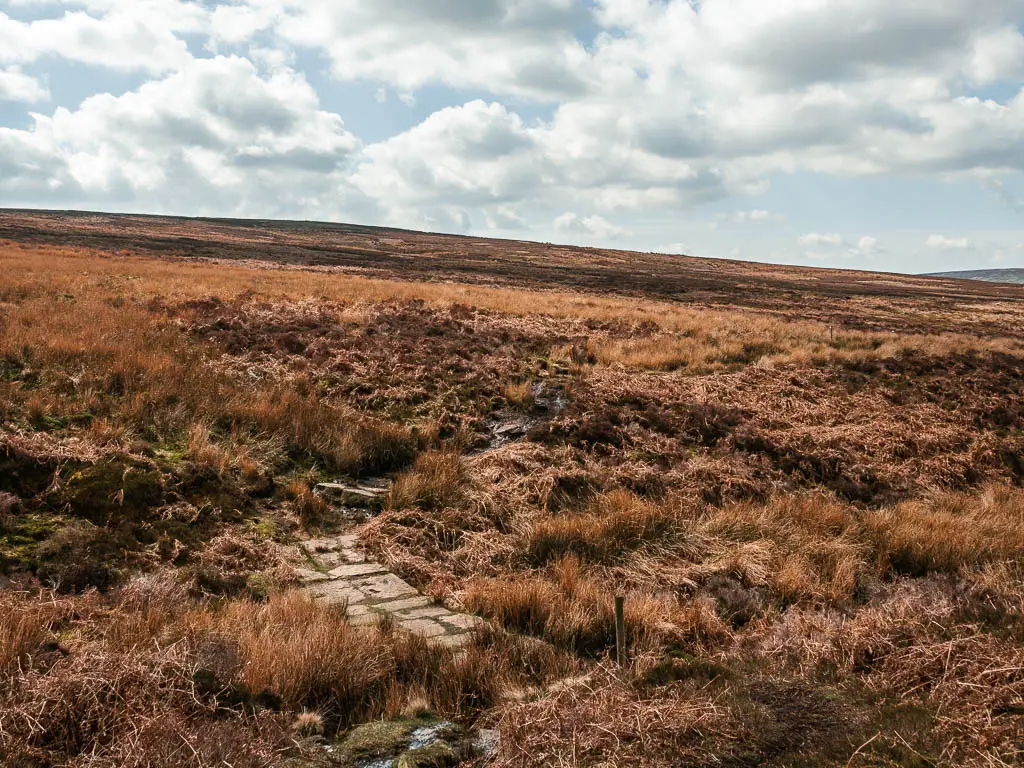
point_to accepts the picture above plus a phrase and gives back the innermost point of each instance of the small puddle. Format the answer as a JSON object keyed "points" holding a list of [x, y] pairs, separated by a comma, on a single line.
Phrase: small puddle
{"points": [[507, 427]]}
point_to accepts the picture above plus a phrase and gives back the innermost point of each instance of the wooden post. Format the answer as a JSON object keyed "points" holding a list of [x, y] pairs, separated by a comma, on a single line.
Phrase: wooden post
{"points": [[620, 630]]}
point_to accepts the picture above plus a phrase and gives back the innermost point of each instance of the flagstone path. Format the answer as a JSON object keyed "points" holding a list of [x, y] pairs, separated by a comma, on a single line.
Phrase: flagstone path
{"points": [[337, 572]]}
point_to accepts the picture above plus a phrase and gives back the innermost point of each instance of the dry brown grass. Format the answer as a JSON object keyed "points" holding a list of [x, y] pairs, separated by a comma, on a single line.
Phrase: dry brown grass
{"points": [[695, 338], [201, 449], [815, 548], [951, 532], [314, 659], [803, 547], [309, 656], [437, 480], [224, 455], [520, 394], [611, 529], [312, 510], [137, 371], [733, 563], [154, 670], [573, 610], [601, 720], [26, 622], [771, 520], [917, 640]]}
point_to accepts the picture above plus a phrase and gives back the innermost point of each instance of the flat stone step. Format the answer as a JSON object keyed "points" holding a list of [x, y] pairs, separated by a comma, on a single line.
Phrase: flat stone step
{"points": [[461, 621], [382, 588], [422, 627], [357, 569], [429, 612], [420, 601], [354, 495], [345, 576], [337, 592], [307, 576]]}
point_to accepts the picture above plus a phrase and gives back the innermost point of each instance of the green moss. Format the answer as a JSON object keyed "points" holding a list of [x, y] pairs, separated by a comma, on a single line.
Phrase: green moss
{"points": [[914, 724], [169, 455], [685, 667], [377, 740], [436, 755], [21, 537], [113, 490], [23, 473], [259, 586], [396, 740], [82, 555], [205, 487], [47, 423], [266, 529]]}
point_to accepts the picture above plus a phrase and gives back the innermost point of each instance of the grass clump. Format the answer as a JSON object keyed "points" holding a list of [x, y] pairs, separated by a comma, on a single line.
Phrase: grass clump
{"points": [[311, 509], [519, 395], [612, 528], [809, 547], [574, 611], [437, 480], [950, 532]]}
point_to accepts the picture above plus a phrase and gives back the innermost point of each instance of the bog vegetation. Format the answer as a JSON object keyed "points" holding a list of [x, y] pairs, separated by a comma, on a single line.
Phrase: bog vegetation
{"points": [[819, 531]]}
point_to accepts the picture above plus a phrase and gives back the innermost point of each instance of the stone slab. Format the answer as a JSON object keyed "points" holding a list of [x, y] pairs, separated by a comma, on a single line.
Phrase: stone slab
{"points": [[352, 556], [348, 541], [329, 559], [353, 496], [365, 619], [430, 612], [307, 576], [351, 571], [422, 627], [320, 545], [453, 641], [420, 601], [382, 588], [337, 592], [371, 593], [462, 621]]}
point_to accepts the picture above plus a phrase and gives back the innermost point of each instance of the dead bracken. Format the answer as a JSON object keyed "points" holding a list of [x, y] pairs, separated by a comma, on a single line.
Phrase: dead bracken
{"points": [[819, 532]]}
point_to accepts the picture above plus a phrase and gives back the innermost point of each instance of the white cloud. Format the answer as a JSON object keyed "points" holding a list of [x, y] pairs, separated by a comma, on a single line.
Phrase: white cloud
{"points": [[1001, 193], [505, 217], [573, 224], [868, 246], [747, 217], [943, 243], [997, 56], [478, 154], [126, 38], [681, 249], [817, 239], [17, 86], [217, 131], [522, 47]]}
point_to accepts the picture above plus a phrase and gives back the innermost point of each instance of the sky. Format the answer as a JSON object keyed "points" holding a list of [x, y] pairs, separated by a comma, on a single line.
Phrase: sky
{"points": [[864, 134]]}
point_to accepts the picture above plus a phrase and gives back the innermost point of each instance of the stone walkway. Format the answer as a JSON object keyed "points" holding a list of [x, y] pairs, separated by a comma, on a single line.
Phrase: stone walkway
{"points": [[336, 571]]}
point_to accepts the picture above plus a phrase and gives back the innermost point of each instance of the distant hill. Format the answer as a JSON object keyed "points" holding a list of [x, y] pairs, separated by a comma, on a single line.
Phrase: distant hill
{"points": [[986, 275]]}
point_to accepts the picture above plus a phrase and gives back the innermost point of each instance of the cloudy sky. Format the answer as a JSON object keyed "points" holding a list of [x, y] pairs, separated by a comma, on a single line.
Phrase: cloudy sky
{"points": [[876, 134]]}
